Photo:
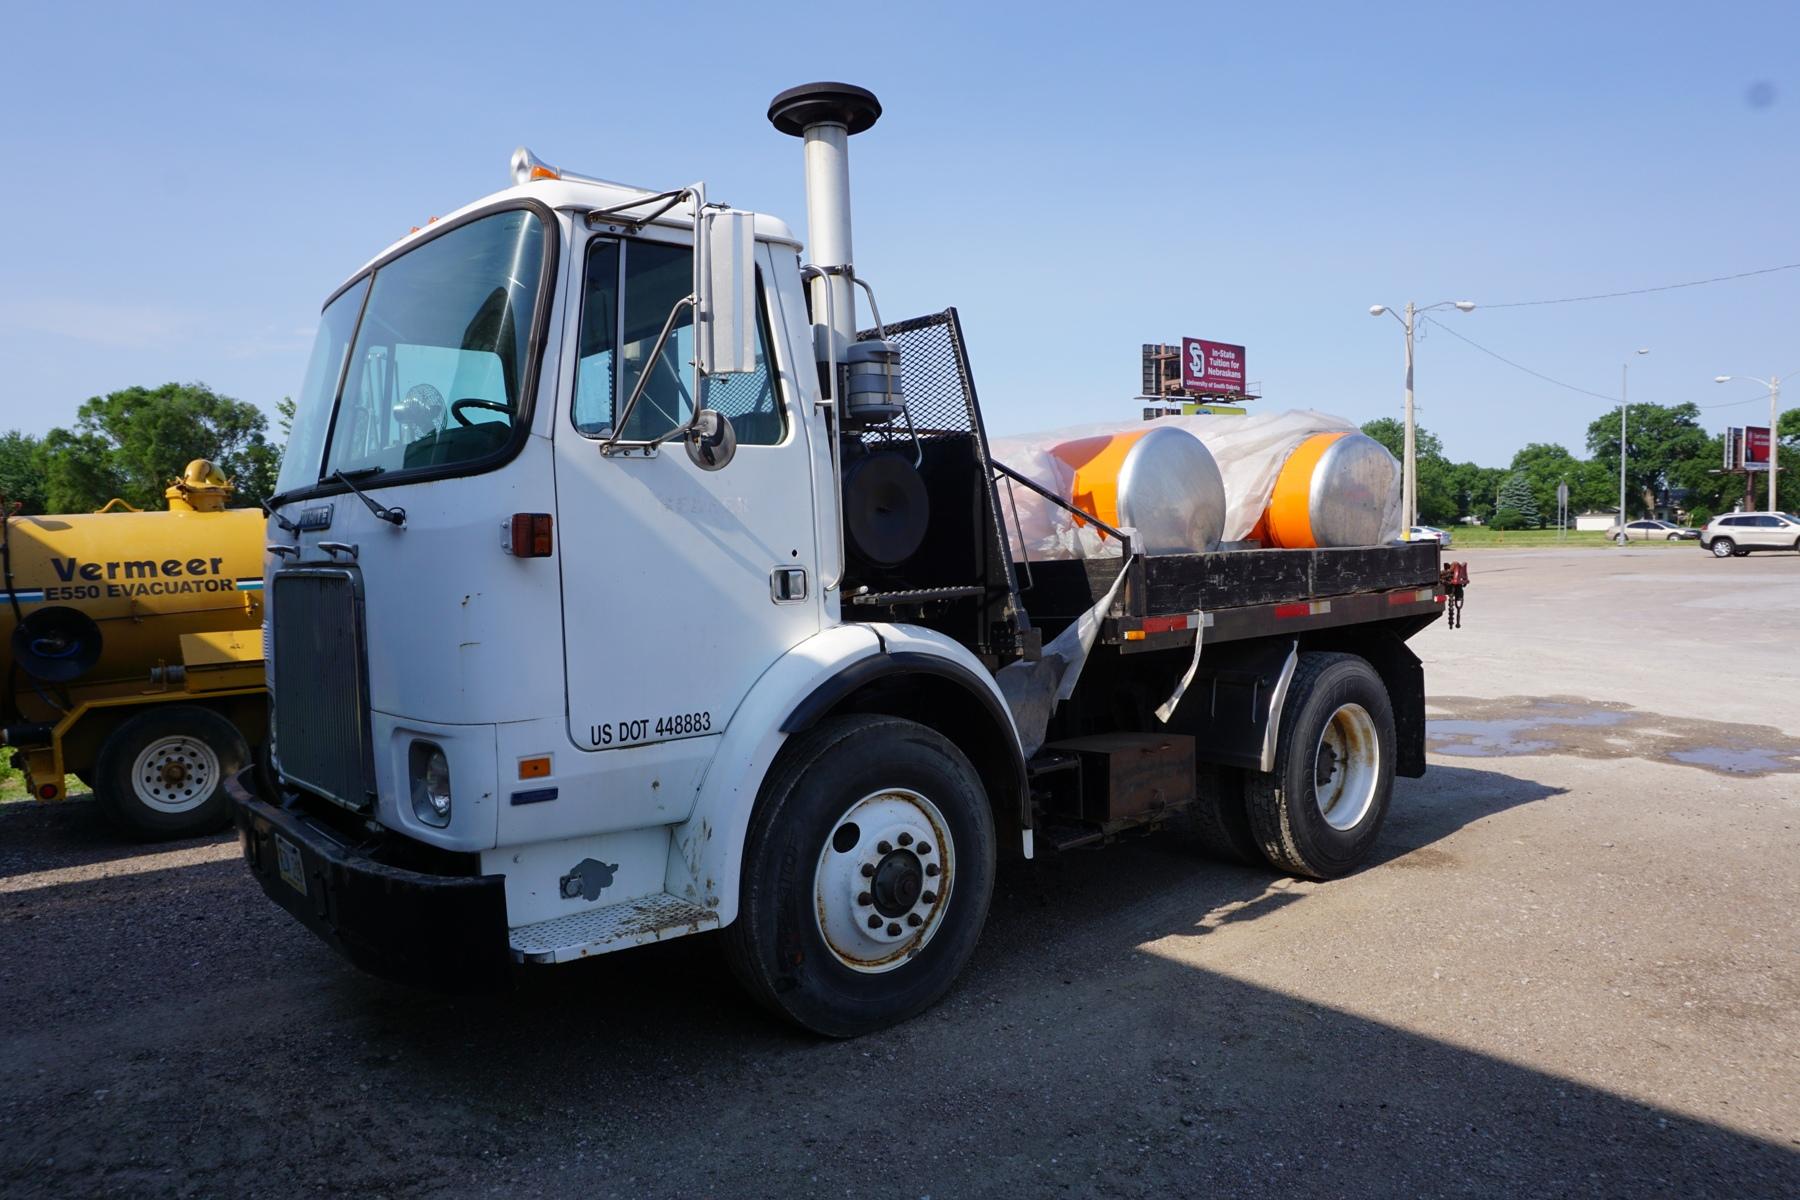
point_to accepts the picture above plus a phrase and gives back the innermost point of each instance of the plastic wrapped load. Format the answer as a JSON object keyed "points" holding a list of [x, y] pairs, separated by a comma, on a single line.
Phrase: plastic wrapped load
{"points": [[1152, 478], [1342, 489]]}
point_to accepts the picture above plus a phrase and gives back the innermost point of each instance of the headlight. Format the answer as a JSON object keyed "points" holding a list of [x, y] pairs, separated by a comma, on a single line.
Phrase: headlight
{"points": [[430, 772]]}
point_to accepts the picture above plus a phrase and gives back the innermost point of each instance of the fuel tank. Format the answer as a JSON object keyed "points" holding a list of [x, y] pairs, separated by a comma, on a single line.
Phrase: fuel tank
{"points": [[105, 597], [1335, 489], [1158, 479]]}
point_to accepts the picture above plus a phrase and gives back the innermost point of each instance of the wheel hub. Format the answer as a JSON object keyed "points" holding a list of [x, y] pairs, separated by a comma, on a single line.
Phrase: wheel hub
{"points": [[1347, 767], [883, 880]]}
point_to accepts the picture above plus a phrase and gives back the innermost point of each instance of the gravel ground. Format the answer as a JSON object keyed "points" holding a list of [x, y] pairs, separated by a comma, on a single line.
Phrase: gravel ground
{"points": [[1573, 971]]}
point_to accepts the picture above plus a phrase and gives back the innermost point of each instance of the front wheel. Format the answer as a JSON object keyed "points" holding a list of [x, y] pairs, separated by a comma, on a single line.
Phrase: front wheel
{"points": [[1320, 810], [1722, 547], [867, 873], [162, 773]]}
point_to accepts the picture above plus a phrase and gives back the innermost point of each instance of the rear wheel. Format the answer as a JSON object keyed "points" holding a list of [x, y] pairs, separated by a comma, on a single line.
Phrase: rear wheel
{"points": [[867, 874], [162, 773], [1319, 812], [1217, 822], [1722, 547]]}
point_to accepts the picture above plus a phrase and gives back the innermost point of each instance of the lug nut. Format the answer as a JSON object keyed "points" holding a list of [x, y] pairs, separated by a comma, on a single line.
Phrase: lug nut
{"points": [[865, 898], [905, 839], [928, 897], [931, 869], [868, 869], [924, 847], [884, 847], [893, 929], [874, 921], [914, 920]]}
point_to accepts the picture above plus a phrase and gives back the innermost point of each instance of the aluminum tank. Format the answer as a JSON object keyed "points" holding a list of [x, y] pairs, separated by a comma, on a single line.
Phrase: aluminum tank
{"points": [[1335, 489], [1159, 480]]}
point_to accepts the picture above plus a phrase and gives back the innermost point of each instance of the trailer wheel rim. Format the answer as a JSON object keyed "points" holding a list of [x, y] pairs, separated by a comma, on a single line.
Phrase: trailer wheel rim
{"points": [[1347, 767], [175, 774], [882, 885]]}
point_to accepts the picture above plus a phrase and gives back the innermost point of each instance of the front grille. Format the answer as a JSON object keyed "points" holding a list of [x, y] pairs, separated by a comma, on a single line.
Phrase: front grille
{"points": [[321, 700]]}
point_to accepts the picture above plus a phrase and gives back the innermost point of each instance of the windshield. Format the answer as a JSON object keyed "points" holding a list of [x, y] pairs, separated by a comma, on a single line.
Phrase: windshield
{"points": [[433, 374]]}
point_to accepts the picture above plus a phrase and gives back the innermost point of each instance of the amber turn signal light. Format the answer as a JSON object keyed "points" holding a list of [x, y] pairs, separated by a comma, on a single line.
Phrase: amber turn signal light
{"points": [[528, 535]]}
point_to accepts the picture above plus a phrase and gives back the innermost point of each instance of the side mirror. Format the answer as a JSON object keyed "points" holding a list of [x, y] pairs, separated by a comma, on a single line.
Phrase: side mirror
{"points": [[711, 441], [725, 285]]}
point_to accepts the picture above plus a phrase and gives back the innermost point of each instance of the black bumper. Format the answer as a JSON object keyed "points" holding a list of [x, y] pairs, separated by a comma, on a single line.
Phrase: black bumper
{"points": [[445, 932]]}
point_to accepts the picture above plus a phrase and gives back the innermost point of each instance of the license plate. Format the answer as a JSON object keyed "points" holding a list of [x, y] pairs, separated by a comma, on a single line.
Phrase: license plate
{"points": [[287, 859]]}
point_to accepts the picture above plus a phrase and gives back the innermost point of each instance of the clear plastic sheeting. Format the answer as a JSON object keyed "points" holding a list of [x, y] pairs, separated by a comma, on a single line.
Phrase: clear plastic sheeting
{"points": [[1034, 689], [1249, 450]]}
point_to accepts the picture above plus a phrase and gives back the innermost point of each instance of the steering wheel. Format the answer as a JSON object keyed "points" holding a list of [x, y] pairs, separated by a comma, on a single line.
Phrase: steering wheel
{"points": [[456, 409]]}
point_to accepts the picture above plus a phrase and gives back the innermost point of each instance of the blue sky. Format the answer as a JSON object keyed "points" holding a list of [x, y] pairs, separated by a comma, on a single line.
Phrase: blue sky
{"points": [[187, 183]]}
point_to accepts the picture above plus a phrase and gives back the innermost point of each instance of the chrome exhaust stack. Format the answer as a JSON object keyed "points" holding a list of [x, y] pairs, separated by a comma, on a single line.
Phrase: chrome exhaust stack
{"points": [[824, 116]]}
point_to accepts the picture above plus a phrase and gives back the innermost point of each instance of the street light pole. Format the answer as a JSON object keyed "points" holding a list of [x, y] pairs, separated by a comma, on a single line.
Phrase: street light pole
{"points": [[1624, 370], [1773, 383], [1409, 478]]}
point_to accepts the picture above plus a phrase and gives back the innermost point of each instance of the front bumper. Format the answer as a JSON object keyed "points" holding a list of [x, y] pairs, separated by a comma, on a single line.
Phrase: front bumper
{"points": [[446, 932]]}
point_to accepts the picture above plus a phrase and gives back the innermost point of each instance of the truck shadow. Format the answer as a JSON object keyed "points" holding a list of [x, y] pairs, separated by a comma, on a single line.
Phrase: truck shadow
{"points": [[1076, 1054]]}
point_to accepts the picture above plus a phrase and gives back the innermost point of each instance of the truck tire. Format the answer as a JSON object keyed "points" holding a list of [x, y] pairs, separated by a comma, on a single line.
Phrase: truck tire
{"points": [[162, 773], [867, 873], [1217, 822], [1320, 810]]}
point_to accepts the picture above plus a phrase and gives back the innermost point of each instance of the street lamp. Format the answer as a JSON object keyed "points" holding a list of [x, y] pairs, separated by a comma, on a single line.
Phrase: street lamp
{"points": [[1408, 467], [1773, 383], [1624, 369]]}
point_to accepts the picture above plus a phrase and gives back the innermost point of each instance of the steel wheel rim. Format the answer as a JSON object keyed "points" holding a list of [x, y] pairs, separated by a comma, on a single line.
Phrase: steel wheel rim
{"points": [[175, 774], [888, 859], [1346, 767]]}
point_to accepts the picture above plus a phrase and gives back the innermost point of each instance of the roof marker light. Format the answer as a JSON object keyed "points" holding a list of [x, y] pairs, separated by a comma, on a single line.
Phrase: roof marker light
{"points": [[527, 167]]}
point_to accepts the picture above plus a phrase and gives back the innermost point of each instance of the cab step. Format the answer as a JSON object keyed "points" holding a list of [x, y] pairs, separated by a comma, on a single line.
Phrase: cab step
{"points": [[614, 927]]}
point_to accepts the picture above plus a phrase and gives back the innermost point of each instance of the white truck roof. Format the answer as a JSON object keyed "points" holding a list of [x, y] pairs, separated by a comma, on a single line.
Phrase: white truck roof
{"points": [[581, 196]]}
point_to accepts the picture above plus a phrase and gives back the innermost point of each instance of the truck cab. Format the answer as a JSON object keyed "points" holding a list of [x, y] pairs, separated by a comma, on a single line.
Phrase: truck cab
{"points": [[621, 587]]}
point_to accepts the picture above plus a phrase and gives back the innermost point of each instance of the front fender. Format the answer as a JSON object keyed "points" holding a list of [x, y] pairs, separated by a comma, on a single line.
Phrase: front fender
{"points": [[706, 852]]}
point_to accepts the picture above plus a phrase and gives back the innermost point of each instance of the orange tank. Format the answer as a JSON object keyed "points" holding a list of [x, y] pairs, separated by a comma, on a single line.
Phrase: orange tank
{"points": [[1335, 489]]}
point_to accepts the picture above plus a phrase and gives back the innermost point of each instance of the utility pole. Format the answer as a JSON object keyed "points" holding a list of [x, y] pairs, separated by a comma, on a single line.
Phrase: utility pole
{"points": [[1409, 507], [1773, 383], [1624, 370]]}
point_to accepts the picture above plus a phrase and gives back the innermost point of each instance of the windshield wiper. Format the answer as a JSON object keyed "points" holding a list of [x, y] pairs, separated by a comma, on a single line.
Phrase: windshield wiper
{"points": [[286, 525], [395, 516]]}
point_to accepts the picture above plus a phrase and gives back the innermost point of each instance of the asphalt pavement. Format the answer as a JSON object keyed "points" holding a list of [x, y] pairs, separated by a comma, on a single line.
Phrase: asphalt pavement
{"points": [[1574, 970]]}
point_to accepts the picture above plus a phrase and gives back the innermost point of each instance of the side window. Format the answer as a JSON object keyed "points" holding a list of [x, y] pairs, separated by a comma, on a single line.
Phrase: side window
{"points": [[630, 290], [1732, 521]]}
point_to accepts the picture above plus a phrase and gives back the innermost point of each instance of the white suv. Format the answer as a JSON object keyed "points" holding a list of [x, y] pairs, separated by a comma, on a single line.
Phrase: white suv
{"points": [[1742, 532]]}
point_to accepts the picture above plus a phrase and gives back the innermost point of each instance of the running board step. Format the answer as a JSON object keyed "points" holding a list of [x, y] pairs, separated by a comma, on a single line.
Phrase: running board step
{"points": [[614, 927]]}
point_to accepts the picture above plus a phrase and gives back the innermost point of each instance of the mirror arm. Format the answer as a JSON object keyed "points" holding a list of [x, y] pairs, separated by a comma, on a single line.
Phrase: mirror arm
{"points": [[637, 389], [616, 215]]}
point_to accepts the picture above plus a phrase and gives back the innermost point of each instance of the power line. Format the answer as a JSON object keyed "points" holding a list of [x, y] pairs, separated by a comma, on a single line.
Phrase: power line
{"points": [[1521, 366], [1667, 287]]}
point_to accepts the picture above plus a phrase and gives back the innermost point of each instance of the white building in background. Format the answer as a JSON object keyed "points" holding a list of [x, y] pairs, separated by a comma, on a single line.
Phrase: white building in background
{"points": [[1596, 522]]}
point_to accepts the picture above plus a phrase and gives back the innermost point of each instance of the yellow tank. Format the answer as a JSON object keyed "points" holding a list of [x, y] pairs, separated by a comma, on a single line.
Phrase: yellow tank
{"points": [[142, 578], [105, 614]]}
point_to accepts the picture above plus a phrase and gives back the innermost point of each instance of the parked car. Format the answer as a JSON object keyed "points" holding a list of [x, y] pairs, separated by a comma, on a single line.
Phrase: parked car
{"points": [[1643, 531], [1429, 533], [1741, 532]]}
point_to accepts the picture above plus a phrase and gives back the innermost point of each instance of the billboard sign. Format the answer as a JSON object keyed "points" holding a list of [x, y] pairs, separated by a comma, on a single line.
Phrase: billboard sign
{"points": [[1734, 447], [1211, 367], [1756, 448]]}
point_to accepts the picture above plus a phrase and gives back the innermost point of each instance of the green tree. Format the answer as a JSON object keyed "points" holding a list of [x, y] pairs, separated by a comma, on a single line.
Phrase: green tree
{"points": [[1437, 498], [131, 443], [21, 477], [1516, 501], [1659, 438], [1391, 433], [1787, 427]]}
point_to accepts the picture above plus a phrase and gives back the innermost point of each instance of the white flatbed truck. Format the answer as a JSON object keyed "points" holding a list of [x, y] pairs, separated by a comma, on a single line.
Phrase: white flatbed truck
{"points": [[620, 588]]}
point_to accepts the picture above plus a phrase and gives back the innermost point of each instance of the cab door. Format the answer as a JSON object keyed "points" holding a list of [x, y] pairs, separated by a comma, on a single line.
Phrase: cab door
{"points": [[680, 585]]}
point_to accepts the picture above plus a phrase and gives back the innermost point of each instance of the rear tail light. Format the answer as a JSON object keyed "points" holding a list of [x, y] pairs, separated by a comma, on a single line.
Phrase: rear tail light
{"points": [[528, 535]]}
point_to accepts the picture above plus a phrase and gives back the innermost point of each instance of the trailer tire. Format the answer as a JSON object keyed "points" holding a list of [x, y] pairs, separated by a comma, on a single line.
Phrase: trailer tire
{"points": [[862, 819], [1218, 821], [1337, 717], [162, 773]]}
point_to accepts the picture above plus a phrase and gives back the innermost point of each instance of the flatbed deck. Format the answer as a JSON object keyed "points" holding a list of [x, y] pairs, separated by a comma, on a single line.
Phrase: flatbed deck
{"points": [[1237, 594]]}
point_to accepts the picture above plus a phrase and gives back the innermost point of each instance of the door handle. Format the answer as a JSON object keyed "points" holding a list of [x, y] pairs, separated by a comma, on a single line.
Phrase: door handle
{"points": [[787, 585]]}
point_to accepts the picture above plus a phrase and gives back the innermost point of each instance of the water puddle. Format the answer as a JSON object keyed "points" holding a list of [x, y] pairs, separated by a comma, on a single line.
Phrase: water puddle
{"points": [[1466, 727]]}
